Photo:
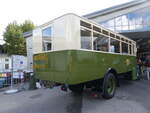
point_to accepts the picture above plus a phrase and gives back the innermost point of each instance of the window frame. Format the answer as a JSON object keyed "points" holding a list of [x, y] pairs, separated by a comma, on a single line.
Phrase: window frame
{"points": [[104, 36], [45, 29], [119, 45], [91, 37], [44, 40], [115, 36], [6, 66]]}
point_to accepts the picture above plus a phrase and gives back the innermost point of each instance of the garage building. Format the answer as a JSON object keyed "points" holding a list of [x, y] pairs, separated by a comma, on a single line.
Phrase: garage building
{"points": [[131, 19]]}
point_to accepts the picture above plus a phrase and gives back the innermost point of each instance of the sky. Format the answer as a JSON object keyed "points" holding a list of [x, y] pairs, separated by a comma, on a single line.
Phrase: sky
{"points": [[42, 11]]}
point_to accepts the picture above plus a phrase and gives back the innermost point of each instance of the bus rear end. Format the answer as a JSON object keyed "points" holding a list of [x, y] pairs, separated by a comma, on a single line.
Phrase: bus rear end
{"points": [[52, 66]]}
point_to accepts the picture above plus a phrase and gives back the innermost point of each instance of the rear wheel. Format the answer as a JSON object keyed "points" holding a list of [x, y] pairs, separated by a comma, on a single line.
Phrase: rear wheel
{"points": [[109, 86], [76, 88]]}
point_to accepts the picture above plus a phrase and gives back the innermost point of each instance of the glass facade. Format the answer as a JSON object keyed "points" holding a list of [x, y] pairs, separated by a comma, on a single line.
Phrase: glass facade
{"points": [[134, 21]]}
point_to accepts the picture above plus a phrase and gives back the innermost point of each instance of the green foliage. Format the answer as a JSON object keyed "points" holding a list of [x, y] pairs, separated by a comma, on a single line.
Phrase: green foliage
{"points": [[27, 26], [15, 43]]}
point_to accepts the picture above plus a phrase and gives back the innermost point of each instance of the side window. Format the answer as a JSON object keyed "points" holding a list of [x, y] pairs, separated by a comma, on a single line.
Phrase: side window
{"points": [[96, 29], [85, 24], [47, 46], [124, 48], [114, 46], [46, 33], [6, 66], [100, 42], [6, 59], [130, 49], [86, 39], [46, 37]]}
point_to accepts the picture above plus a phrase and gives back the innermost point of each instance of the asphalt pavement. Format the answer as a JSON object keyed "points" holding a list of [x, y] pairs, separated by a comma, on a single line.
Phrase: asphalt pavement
{"points": [[130, 97]]}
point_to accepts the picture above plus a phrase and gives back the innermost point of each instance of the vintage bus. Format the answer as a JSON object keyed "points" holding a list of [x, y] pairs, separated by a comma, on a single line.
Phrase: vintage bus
{"points": [[79, 53]]}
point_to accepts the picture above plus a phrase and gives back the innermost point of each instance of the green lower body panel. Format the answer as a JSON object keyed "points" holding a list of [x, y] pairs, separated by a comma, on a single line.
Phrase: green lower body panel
{"points": [[78, 66]]}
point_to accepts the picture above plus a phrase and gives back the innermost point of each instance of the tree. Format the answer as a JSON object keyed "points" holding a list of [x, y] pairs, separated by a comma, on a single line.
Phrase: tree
{"points": [[27, 26], [15, 43]]}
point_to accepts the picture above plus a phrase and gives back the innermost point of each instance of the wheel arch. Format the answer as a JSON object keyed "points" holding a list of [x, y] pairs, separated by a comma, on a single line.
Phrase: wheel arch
{"points": [[112, 70]]}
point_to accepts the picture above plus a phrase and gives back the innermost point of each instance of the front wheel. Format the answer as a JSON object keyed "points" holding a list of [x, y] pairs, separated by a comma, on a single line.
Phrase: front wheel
{"points": [[109, 86]]}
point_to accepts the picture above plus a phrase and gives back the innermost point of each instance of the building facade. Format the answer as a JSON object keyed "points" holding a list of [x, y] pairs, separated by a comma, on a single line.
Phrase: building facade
{"points": [[29, 48], [131, 19], [5, 63]]}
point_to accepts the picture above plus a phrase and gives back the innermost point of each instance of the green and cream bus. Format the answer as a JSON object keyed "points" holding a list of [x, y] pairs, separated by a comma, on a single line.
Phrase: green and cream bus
{"points": [[79, 53]]}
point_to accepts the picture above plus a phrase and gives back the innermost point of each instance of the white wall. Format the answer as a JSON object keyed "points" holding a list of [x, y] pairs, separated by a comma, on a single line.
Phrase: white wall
{"points": [[16, 62], [65, 34], [60, 33], [29, 47], [3, 61], [75, 32], [37, 40]]}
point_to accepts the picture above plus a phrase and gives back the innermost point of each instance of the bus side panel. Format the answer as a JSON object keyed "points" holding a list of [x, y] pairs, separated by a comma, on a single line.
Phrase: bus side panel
{"points": [[87, 65], [52, 66], [78, 66]]}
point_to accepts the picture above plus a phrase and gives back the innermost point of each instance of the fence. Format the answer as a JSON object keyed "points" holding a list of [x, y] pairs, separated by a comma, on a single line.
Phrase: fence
{"points": [[6, 79]]}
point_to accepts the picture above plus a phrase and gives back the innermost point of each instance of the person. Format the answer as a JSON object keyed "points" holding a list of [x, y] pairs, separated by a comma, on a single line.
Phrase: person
{"points": [[38, 85], [139, 68], [147, 67]]}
